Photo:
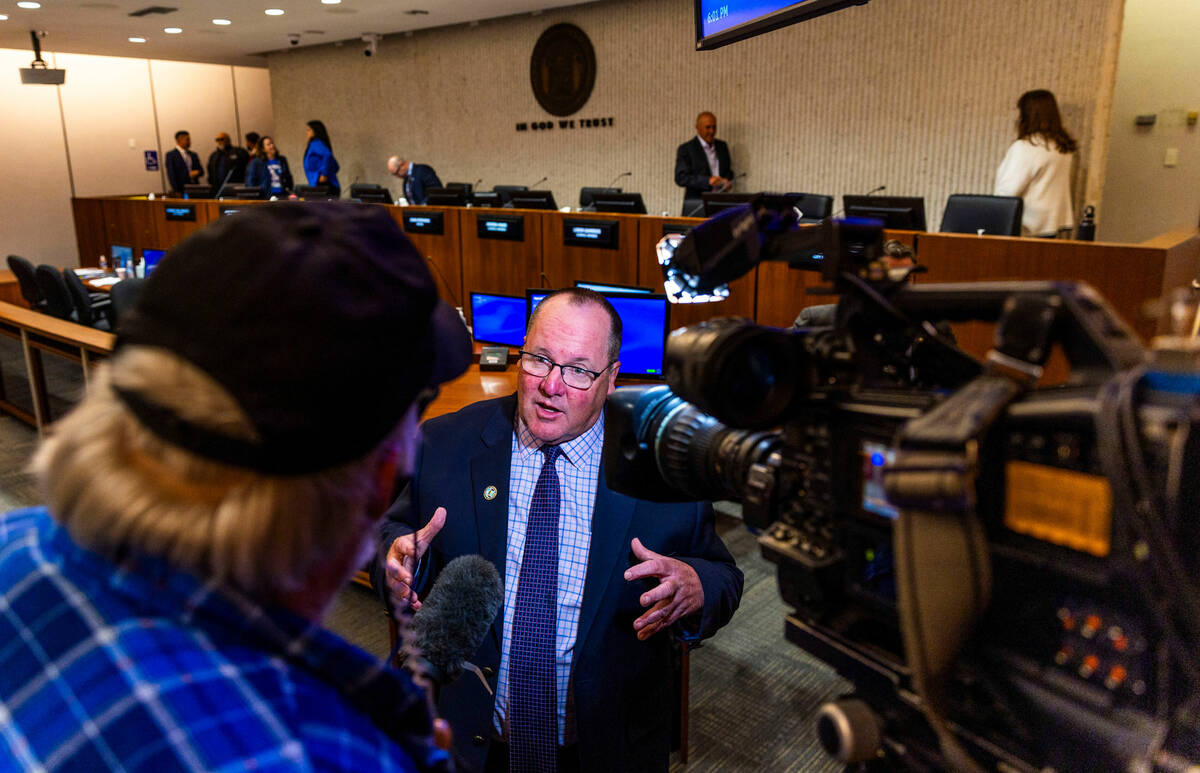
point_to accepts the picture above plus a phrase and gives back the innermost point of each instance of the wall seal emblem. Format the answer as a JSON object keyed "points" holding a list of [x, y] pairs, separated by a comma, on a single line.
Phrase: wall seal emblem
{"points": [[562, 69]]}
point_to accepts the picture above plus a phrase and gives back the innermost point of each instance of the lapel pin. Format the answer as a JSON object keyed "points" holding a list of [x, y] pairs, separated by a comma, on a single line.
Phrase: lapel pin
{"points": [[489, 493]]}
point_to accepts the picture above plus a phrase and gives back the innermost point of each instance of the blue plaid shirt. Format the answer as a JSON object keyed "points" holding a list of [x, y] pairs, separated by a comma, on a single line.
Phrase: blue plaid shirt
{"points": [[578, 470], [139, 666]]}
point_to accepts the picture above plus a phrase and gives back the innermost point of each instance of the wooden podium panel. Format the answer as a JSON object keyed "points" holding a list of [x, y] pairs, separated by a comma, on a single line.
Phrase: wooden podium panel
{"points": [[443, 251], [564, 263], [742, 292], [131, 223], [168, 233], [499, 265], [89, 230]]}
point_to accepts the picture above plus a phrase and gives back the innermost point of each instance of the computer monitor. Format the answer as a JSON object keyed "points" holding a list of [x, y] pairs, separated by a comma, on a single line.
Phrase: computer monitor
{"points": [[122, 257], [486, 199], [197, 191], [505, 190], [314, 192], [498, 319], [719, 202], [150, 259], [586, 194], [900, 212], [630, 203], [370, 193], [445, 197], [249, 192], [645, 322], [608, 287], [532, 200], [467, 187]]}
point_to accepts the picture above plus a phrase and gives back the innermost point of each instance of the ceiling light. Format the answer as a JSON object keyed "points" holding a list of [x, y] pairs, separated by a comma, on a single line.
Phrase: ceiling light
{"points": [[274, 12], [172, 30], [330, 2], [222, 22], [29, 4], [3, 17], [137, 40]]}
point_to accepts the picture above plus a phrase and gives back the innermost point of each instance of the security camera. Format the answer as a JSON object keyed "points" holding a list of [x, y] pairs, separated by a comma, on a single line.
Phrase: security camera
{"points": [[370, 43], [294, 39]]}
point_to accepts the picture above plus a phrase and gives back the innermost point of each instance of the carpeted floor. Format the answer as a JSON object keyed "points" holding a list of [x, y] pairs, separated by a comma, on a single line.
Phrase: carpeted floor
{"points": [[753, 694]]}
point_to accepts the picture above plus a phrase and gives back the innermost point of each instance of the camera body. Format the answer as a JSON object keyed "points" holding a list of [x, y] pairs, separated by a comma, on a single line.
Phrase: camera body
{"points": [[370, 43], [1072, 645], [294, 39]]}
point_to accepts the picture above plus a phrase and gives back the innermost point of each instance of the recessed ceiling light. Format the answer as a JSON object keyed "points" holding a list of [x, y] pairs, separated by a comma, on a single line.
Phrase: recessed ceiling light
{"points": [[172, 30], [274, 12], [137, 40], [222, 22], [29, 4], [330, 2], [3, 17]]}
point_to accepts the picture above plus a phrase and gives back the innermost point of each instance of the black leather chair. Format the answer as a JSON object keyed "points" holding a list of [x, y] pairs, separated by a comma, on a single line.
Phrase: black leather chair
{"points": [[89, 310], [124, 294], [966, 213], [813, 206], [58, 297], [27, 279]]}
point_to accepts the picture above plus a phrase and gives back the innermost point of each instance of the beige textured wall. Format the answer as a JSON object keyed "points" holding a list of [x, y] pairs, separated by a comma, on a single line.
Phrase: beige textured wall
{"points": [[918, 95], [1157, 74]]}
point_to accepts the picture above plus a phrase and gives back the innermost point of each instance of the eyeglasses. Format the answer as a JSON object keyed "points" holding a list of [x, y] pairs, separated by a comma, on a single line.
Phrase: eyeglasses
{"points": [[572, 375]]}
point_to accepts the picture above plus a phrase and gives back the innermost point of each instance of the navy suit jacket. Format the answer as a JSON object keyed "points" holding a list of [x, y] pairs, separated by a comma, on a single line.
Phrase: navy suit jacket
{"points": [[621, 686], [177, 169], [420, 177], [692, 170]]}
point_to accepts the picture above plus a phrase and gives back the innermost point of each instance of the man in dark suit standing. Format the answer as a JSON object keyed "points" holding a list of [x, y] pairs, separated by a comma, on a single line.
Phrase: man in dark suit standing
{"points": [[227, 164], [579, 659], [417, 178], [183, 166], [702, 165]]}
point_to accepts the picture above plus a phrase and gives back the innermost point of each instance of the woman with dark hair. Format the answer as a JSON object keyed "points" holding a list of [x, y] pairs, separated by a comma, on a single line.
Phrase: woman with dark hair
{"points": [[320, 167], [269, 169], [1037, 167]]}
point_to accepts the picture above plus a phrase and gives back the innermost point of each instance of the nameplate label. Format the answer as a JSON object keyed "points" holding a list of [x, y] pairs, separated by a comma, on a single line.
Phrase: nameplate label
{"points": [[186, 212], [508, 227], [425, 223], [603, 234]]}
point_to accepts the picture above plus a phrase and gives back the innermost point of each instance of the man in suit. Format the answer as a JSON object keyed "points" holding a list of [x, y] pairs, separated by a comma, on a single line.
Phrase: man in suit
{"points": [[416, 177], [702, 165], [227, 164], [623, 573], [183, 166]]}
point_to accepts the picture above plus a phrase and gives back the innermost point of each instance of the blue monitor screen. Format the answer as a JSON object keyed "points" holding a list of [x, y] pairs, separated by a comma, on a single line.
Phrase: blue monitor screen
{"points": [[719, 22], [122, 257], [643, 330], [498, 319], [151, 258]]}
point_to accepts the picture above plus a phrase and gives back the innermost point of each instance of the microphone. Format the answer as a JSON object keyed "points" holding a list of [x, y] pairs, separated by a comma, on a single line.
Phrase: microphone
{"points": [[475, 185], [221, 187], [695, 210], [546, 281], [618, 177], [449, 288], [539, 182], [873, 191], [455, 617]]}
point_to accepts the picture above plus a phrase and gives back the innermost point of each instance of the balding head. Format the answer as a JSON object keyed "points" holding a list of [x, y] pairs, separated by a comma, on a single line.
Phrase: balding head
{"points": [[706, 126], [397, 166]]}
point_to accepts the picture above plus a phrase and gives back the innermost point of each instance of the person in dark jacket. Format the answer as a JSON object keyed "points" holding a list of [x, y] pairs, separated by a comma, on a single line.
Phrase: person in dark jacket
{"points": [[320, 167], [269, 169], [183, 165], [702, 164], [226, 164], [417, 178]]}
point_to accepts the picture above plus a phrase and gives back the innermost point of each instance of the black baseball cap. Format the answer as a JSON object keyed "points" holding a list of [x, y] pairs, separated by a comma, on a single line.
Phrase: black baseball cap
{"points": [[321, 320]]}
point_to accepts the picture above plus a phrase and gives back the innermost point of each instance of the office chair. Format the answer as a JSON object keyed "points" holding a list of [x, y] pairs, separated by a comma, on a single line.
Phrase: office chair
{"points": [[813, 206], [124, 294], [30, 290], [967, 213], [54, 288], [89, 310]]}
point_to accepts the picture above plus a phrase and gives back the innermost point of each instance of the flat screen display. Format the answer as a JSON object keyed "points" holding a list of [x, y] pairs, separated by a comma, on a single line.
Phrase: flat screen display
{"points": [[644, 325], [498, 319], [122, 257], [424, 223], [510, 227], [591, 233], [150, 260], [720, 22], [876, 456]]}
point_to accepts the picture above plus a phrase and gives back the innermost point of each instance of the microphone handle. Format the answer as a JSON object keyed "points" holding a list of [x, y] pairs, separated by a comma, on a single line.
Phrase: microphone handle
{"points": [[539, 182], [618, 177]]}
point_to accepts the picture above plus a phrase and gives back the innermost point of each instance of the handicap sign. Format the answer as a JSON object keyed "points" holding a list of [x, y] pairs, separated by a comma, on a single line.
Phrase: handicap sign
{"points": [[151, 160]]}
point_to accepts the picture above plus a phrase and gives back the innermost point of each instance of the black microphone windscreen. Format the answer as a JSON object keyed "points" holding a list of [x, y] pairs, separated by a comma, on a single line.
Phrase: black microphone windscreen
{"points": [[456, 615]]}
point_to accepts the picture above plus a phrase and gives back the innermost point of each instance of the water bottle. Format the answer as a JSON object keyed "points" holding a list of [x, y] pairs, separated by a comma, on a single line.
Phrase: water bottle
{"points": [[104, 263], [1086, 232]]}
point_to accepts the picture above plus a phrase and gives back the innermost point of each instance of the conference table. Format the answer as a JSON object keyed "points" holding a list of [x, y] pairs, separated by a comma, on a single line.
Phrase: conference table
{"points": [[506, 251]]}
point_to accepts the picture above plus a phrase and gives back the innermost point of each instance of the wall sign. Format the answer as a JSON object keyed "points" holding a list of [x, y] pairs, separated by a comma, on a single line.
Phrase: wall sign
{"points": [[151, 158], [562, 69]]}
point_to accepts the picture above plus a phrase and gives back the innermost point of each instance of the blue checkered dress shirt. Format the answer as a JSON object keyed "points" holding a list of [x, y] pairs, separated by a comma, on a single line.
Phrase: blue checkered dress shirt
{"points": [[578, 470], [140, 667]]}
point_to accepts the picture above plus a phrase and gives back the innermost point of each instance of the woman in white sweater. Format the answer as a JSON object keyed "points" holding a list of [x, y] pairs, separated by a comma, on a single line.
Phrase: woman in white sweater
{"points": [[1037, 167]]}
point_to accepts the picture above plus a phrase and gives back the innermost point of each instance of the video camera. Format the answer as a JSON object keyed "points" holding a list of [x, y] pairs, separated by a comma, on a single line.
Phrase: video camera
{"points": [[1008, 575]]}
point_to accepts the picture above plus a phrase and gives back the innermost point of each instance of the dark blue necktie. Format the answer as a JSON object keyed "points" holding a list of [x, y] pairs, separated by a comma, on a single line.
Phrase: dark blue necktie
{"points": [[532, 693]]}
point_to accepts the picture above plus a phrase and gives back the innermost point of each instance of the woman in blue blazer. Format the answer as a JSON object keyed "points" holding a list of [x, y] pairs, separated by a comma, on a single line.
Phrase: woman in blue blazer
{"points": [[320, 167], [269, 169]]}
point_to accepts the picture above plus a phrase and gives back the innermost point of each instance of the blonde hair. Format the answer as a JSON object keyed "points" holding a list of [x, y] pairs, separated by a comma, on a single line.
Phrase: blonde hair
{"points": [[117, 488]]}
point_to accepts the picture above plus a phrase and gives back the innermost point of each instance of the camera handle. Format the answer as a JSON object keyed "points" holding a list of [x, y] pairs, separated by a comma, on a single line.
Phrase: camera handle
{"points": [[938, 537]]}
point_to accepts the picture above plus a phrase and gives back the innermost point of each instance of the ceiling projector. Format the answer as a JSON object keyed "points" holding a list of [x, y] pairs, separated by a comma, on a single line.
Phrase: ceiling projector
{"points": [[38, 72]]}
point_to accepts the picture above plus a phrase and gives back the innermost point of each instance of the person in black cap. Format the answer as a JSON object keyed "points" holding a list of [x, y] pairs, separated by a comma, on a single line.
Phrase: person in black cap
{"points": [[206, 500]]}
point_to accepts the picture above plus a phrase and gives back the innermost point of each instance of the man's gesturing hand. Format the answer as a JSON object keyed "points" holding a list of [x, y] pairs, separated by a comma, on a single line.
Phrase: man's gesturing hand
{"points": [[402, 560], [678, 593]]}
